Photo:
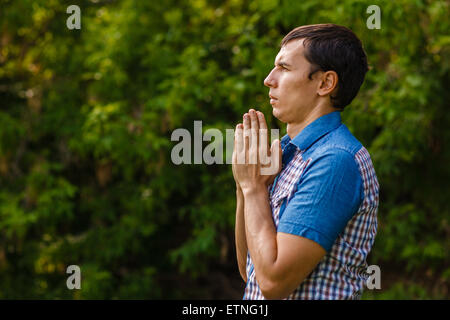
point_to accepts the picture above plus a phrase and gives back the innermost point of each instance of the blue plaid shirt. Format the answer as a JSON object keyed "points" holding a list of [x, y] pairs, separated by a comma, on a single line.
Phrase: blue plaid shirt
{"points": [[327, 191]]}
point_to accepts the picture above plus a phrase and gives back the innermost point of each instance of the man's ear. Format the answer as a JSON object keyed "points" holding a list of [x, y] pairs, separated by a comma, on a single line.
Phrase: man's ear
{"points": [[328, 83]]}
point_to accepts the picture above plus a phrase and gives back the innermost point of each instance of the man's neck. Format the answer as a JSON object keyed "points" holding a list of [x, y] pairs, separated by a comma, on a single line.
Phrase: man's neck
{"points": [[294, 128]]}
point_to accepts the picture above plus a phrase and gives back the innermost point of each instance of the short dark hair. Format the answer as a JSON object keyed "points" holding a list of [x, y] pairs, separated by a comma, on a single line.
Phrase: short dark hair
{"points": [[337, 48]]}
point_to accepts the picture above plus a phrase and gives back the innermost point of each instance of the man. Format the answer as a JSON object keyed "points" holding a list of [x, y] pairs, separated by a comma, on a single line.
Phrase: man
{"points": [[307, 234]]}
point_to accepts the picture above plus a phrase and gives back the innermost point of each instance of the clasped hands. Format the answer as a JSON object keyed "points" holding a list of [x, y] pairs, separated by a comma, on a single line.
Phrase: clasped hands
{"points": [[255, 165]]}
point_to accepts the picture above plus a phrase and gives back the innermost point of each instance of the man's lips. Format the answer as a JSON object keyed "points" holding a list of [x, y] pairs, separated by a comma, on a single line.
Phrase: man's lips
{"points": [[272, 99]]}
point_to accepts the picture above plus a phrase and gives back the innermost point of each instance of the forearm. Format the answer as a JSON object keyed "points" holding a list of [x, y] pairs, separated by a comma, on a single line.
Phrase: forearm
{"points": [[240, 238], [261, 233]]}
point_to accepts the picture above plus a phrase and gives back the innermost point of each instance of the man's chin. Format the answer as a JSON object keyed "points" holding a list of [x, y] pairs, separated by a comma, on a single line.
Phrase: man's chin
{"points": [[276, 113]]}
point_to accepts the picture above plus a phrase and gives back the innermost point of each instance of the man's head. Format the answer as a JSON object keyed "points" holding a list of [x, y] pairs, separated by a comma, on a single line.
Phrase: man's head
{"points": [[320, 65]]}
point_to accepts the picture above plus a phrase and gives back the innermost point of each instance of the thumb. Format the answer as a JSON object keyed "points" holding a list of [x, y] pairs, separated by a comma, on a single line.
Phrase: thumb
{"points": [[275, 160], [275, 150], [276, 147]]}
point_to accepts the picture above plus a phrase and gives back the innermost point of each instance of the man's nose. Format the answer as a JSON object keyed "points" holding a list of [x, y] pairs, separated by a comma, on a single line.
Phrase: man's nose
{"points": [[270, 81]]}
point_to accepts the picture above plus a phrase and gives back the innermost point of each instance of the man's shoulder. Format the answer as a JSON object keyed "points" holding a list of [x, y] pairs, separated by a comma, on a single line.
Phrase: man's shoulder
{"points": [[338, 142]]}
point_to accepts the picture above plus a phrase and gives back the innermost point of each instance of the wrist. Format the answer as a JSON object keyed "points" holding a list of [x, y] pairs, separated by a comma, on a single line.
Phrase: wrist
{"points": [[254, 189]]}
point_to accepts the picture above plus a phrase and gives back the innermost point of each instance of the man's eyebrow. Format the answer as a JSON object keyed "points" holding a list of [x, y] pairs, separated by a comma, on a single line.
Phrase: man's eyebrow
{"points": [[282, 64]]}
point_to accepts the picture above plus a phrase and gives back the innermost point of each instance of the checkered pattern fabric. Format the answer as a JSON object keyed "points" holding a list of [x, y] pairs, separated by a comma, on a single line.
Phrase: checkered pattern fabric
{"points": [[341, 274]]}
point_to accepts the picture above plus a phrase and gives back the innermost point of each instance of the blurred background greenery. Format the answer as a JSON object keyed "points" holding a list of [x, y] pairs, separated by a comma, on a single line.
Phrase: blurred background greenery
{"points": [[86, 118]]}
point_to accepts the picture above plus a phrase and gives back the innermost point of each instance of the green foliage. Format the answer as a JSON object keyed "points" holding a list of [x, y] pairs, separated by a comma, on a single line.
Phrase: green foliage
{"points": [[86, 118]]}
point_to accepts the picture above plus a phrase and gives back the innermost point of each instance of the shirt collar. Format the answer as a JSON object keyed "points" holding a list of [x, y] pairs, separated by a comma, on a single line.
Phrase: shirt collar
{"points": [[316, 129]]}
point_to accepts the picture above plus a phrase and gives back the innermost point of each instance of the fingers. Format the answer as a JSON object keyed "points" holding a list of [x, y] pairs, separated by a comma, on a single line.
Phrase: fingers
{"points": [[254, 131], [247, 126], [263, 139], [261, 120], [247, 136], [247, 139], [239, 144], [254, 119]]}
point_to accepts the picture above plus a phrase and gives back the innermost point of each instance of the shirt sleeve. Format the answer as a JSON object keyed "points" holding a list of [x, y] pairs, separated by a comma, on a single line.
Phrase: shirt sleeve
{"points": [[328, 195]]}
